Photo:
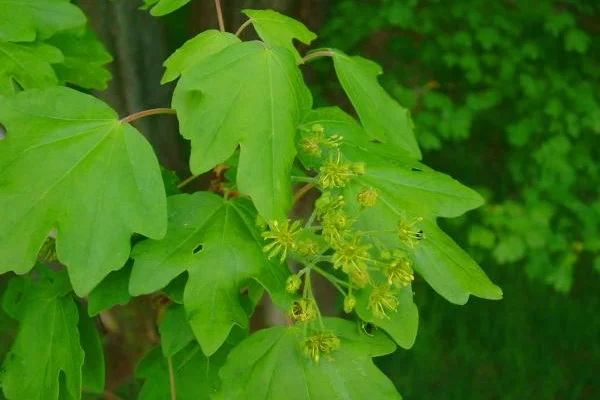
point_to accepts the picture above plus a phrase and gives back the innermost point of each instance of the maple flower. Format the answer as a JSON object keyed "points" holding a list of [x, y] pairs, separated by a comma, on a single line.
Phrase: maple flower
{"points": [[335, 224], [408, 234], [303, 310], [310, 146], [336, 172], [322, 342], [283, 237], [400, 272], [382, 300], [367, 197], [328, 203], [351, 256]]}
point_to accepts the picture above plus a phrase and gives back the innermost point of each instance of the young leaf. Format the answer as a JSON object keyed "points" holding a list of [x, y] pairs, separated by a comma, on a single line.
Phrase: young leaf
{"points": [[217, 243], [272, 364], [195, 51], [408, 189], [26, 20], [46, 356], [84, 59], [93, 372], [175, 331], [163, 7], [28, 64], [195, 375], [112, 291], [68, 163], [383, 118], [278, 30], [252, 96]]}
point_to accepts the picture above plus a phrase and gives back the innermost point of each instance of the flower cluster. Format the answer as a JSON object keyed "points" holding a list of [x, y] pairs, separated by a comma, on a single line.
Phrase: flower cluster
{"points": [[330, 243]]}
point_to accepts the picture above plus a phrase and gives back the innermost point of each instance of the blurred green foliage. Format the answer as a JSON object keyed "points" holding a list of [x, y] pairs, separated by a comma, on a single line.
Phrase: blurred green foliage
{"points": [[504, 95]]}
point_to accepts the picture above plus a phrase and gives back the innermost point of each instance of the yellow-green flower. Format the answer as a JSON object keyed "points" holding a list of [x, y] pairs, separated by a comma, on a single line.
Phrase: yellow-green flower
{"points": [[303, 310], [352, 256], [408, 233], [322, 342], [400, 272], [335, 225], [336, 172], [283, 237], [382, 300], [367, 197]]}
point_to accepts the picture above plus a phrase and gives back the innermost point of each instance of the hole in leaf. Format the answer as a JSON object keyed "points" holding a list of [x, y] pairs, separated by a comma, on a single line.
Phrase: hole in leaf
{"points": [[198, 249], [416, 169]]}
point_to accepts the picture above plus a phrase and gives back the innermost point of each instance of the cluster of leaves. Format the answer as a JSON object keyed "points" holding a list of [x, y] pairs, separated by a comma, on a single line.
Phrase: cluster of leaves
{"points": [[47, 43], [98, 189], [479, 70]]}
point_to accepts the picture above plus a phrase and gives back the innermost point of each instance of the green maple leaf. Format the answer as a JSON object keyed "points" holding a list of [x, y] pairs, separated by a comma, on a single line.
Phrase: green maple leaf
{"points": [[94, 367], [47, 343], [252, 96], [27, 64], [68, 163], [278, 30], [409, 189], [217, 243], [84, 59], [163, 7], [26, 20], [195, 51], [272, 364], [175, 331], [382, 117], [112, 291]]}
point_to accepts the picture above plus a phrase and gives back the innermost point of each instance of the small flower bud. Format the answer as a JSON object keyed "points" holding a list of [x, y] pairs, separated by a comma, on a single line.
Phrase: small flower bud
{"points": [[367, 197], [311, 147], [349, 303], [292, 284], [317, 129]]}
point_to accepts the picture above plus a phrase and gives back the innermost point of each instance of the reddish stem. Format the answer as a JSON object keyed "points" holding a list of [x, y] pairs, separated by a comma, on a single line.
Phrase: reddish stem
{"points": [[145, 113]]}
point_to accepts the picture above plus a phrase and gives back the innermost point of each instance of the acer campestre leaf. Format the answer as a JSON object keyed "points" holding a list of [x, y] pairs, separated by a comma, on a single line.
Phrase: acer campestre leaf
{"points": [[272, 364], [195, 51], [26, 20], [252, 96], [84, 59], [68, 163], [29, 65], [408, 189], [112, 291], [382, 117], [93, 372], [217, 243], [46, 356], [195, 375], [278, 30], [175, 331], [163, 7]]}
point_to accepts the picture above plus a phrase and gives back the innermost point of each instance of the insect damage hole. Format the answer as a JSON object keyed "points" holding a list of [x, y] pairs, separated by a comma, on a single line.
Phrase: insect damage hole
{"points": [[198, 249]]}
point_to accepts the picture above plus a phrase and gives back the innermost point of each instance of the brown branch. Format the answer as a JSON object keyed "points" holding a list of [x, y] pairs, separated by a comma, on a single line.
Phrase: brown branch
{"points": [[220, 15], [302, 191], [172, 380], [146, 113]]}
